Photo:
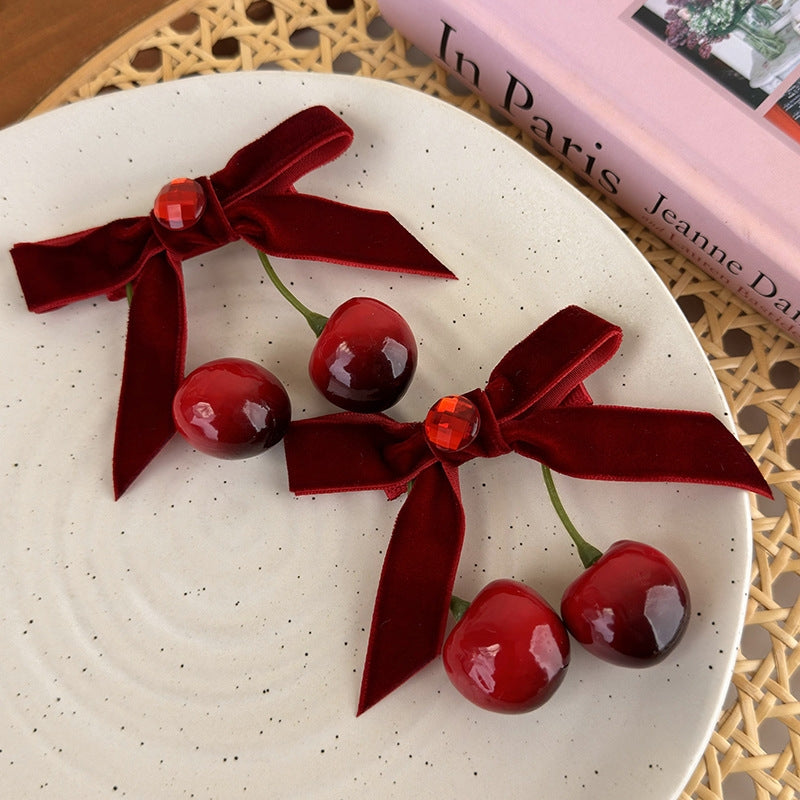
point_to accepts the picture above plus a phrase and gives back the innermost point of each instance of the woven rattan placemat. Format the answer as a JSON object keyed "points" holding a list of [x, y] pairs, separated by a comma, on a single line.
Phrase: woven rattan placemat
{"points": [[755, 749]]}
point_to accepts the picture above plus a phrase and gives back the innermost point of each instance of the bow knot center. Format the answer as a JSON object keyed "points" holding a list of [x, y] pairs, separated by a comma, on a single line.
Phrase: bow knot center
{"points": [[459, 428], [194, 222], [452, 423]]}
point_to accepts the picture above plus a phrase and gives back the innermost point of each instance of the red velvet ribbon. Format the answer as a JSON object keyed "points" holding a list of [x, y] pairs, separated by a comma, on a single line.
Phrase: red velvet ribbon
{"points": [[251, 198], [534, 404]]}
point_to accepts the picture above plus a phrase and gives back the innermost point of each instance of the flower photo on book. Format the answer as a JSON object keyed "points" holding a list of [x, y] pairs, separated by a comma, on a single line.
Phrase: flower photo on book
{"points": [[749, 47], [699, 24]]}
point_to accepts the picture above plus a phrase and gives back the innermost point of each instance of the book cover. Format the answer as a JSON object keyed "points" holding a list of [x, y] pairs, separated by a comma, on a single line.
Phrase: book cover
{"points": [[686, 114]]}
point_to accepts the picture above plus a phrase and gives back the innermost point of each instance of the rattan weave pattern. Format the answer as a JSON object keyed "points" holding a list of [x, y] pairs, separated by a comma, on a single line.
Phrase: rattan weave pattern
{"points": [[755, 749]]}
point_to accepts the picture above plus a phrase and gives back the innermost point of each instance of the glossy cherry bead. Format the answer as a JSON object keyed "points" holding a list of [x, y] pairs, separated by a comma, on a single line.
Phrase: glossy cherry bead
{"points": [[631, 607], [179, 204], [365, 356], [452, 423], [509, 651], [231, 408]]}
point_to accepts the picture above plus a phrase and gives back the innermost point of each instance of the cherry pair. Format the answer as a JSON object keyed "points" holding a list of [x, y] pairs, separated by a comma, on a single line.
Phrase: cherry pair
{"points": [[509, 649], [363, 360]]}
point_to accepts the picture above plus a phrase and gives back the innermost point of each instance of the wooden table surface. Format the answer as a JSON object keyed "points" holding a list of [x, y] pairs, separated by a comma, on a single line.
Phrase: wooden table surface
{"points": [[45, 41]]}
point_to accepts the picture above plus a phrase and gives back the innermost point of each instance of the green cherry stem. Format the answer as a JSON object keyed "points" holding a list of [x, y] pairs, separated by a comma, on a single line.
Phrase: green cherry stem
{"points": [[458, 607], [588, 553], [315, 321]]}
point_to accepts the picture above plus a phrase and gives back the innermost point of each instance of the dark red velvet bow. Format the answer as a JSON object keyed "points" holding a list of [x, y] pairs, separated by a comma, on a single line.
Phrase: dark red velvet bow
{"points": [[251, 198], [534, 404]]}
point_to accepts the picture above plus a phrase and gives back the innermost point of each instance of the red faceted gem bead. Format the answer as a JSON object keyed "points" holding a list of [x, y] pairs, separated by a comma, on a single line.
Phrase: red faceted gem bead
{"points": [[180, 204], [452, 423]]}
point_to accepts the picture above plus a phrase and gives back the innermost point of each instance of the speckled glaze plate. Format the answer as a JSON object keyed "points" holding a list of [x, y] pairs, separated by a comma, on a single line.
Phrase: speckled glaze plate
{"points": [[204, 636]]}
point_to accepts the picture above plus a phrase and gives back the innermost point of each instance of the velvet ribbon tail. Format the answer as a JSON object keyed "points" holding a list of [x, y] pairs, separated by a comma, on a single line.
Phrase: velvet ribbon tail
{"points": [[413, 598], [620, 443], [153, 369], [315, 228]]}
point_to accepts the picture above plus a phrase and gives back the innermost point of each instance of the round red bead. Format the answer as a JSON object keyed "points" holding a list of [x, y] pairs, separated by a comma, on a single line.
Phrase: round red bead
{"points": [[180, 204], [452, 423]]}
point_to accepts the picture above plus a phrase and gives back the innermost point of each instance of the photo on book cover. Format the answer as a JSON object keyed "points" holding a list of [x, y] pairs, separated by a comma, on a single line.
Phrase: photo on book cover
{"points": [[750, 47]]}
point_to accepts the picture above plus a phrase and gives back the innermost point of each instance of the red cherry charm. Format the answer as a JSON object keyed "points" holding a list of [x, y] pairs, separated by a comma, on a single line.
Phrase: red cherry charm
{"points": [[231, 408], [365, 356], [630, 607], [631, 604], [509, 651]]}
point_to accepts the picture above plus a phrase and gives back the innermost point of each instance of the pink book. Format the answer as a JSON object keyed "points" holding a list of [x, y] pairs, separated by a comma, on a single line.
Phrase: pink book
{"points": [[686, 114]]}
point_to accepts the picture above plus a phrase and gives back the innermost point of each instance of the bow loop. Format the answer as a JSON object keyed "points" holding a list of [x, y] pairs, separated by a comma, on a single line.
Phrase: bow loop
{"points": [[81, 265], [551, 363], [272, 164], [356, 452]]}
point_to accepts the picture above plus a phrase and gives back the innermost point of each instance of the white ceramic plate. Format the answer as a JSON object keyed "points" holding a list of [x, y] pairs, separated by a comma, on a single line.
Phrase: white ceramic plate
{"points": [[204, 636]]}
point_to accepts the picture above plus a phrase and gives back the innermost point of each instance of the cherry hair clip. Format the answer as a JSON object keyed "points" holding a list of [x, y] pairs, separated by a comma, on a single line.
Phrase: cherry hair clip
{"points": [[534, 404], [252, 198]]}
